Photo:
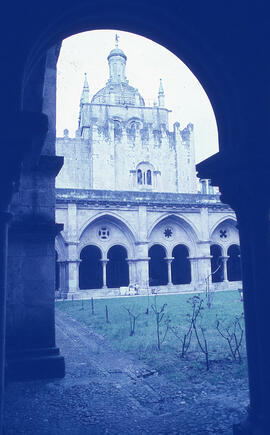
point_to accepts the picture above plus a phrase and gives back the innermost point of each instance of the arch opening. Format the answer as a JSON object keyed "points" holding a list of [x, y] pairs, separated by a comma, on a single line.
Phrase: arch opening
{"points": [[117, 267], [158, 269], [217, 267], [90, 269], [181, 268], [234, 264]]}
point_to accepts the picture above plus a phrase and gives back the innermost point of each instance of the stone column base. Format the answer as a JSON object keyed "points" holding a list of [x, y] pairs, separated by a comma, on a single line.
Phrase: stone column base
{"points": [[35, 364]]}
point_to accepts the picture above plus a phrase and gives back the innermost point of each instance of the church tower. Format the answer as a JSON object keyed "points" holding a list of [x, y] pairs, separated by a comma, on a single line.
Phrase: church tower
{"points": [[122, 144]]}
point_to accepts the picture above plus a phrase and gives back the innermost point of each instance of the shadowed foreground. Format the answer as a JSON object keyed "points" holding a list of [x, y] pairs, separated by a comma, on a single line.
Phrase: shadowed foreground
{"points": [[110, 392]]}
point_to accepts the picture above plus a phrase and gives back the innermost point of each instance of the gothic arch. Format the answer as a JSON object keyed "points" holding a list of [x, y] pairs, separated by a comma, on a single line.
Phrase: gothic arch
{"points": [[229, 219], [115, 218], [188, 227]]}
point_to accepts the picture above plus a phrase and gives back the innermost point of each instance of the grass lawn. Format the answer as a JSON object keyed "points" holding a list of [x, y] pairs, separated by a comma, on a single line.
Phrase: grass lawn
{"points": [[143, 344]]}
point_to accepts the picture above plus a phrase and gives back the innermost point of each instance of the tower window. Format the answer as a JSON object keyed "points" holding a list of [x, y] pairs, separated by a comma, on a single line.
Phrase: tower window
{"points": [[139, 176], [149, 177]]}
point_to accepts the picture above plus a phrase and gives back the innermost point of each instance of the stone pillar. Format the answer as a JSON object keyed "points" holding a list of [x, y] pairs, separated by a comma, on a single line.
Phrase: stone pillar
{"points": [[224, 260], [73, 277], [142, 265], [142, 259], [62, 278], [169, 261], [201, 266], [132, 278], [240, 190], [31, 348], [104, 272], [4, 219]]}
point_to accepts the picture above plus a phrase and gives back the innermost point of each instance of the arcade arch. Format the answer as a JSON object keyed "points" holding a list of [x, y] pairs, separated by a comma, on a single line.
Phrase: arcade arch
{"points": [[117, 267], [90, 268], [181, 268], [158, 270]]}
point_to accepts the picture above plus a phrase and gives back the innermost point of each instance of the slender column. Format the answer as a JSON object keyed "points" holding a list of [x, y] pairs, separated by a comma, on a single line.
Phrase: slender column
{"points": [[104, 271], [225, 272], [169, 265]]}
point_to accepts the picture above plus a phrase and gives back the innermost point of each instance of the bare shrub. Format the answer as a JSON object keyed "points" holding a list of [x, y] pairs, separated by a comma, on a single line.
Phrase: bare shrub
{"points": [[233, 334]]}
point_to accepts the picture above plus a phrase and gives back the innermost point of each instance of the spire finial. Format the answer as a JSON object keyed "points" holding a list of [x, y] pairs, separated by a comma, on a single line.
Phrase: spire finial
{"points": [[161, 94], [161, 90], [116, 40]]}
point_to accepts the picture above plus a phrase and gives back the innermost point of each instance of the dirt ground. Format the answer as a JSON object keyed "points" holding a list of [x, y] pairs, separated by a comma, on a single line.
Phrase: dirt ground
{"points": [[110, 392]]}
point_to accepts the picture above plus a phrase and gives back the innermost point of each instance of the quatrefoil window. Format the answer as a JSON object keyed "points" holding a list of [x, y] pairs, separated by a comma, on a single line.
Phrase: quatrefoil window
{"points": [[223, 233], [104, 233]]}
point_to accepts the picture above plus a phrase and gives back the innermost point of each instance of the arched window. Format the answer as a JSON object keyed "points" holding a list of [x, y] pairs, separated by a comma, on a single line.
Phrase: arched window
{"points": [[139, 176], [234, 264], [181, 270], [217, 268], [158, 269], [149, 177], [90, 271], [117, 267], [145, 174]]}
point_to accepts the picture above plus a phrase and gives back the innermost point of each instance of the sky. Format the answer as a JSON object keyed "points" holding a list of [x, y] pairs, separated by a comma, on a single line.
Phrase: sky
{"points": [[147, 62]]}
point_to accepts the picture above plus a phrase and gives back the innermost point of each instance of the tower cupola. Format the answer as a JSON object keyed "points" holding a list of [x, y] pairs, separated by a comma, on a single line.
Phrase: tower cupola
{"points": [[117, 64]]}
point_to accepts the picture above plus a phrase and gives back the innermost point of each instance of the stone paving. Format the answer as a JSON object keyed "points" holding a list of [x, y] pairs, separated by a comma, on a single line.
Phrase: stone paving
{"points": [[110, 392]]}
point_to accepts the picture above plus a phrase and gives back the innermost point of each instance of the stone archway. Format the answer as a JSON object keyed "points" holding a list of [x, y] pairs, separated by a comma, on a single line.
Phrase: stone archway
{"points": [[217, 267], [90, 269], [117, 267], [181, 268], [234, 264], [158, 269]]}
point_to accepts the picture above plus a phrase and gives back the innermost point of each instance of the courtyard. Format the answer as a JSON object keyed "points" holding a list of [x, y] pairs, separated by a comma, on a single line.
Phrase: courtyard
{"points": [[117, 383]]}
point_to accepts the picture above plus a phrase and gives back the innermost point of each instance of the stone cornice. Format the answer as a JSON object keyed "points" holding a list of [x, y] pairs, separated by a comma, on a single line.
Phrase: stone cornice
{"points": [[163, 200]]}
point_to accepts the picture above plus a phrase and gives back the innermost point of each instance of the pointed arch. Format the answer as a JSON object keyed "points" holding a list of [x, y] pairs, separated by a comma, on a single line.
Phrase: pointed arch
{"points": [[181, 220], [115, 218], [230, 219]]}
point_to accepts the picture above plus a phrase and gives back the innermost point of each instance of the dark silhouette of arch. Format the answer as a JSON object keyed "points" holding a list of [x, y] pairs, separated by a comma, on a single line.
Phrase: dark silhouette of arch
{"points": [[117, 267], [90, 272], [181, 268], [57, 272], [216, 261], [234, 263], [158, 268]]}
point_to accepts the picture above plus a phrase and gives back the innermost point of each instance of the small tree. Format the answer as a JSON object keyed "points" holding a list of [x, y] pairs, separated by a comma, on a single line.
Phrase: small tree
{"points": [[132, 321], [186, 338], [160, 319], [208, 293], [233, 334]]}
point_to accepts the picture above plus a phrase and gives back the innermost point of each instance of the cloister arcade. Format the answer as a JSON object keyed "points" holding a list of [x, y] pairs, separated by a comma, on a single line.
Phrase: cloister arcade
{"points": [[109, 255]]}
